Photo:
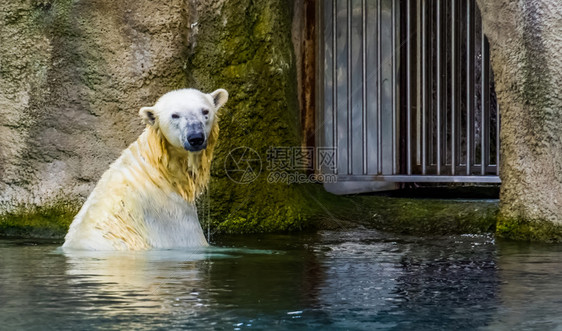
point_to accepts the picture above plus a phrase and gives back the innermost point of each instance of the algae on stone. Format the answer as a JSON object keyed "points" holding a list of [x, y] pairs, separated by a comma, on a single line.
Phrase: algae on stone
{"points": [[41, 222], [247, 50], [73, 75], [527, 62]]}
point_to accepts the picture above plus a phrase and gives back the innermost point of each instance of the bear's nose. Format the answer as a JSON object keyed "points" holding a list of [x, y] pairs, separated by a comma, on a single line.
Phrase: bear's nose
{"points": [[196, 139]]}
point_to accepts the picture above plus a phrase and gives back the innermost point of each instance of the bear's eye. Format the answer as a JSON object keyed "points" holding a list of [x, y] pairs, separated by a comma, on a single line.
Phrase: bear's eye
{"points": [[175, 116], [205, 112]]}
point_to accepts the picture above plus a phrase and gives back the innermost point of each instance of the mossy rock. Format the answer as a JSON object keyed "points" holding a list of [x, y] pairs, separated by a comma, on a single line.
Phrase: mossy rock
{"points": [[51, 221], [316, 209], [403, 215], [528, 230], [248, 51]]}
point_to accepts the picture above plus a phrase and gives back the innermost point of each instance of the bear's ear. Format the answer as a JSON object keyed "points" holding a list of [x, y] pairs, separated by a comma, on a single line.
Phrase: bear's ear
{"points": [[148, 115], [220, 97]]}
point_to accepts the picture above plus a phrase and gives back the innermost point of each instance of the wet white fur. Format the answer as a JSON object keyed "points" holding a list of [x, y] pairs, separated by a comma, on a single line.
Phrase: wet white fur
{"points": [[146, 197]]}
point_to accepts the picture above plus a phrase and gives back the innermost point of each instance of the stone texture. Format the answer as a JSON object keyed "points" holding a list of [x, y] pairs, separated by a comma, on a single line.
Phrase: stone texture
{"points": [[245, 47], [526, 49], [73, 75]]}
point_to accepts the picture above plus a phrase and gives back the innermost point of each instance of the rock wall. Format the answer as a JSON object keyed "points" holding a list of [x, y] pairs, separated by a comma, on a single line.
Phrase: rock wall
{"points": [[246, 48], [526, 54], [73, 75]]}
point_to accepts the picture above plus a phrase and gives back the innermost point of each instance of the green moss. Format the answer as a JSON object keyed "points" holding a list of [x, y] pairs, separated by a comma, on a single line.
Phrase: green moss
{"points": [[257, 207], [402, 215], [528, 230], [248, 51], [284, 220], [54, 17], [51, 221]]}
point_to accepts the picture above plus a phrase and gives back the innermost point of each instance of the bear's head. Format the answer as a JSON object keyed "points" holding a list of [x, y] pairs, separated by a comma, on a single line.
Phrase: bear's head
{"points": [[186, 117]]}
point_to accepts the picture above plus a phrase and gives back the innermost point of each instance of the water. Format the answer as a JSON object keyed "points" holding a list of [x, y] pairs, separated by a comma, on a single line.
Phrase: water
{"points": [[356, 280]]}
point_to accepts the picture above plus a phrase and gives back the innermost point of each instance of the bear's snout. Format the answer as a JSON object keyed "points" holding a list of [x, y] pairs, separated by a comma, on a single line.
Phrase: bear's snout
{"points": [[196, 139], [195, 142]]}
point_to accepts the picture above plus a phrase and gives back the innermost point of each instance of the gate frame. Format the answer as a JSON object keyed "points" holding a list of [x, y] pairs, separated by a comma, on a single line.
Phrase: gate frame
{"points": [[405, 175]]}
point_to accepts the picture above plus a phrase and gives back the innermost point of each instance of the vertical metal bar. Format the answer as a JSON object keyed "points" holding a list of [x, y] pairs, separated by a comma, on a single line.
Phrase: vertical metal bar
{"points": [[408, 89], [319, 86], [498, 126], [485, 90], [469, 83], [364, 82], [334, 84], [348, 94], [424, 87], [439, 87], [445, 78], [487, 99], [320, 104], [395, 50], [430, 150], [418, 82], [453, 84], [379, 87]]}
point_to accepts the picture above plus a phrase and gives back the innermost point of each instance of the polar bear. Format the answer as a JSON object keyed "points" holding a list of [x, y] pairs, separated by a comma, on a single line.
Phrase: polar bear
{"points": [[146, 197]]}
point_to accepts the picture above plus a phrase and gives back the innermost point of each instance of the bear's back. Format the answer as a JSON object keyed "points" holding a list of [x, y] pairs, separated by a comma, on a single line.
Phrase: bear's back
{"points": [[129, 211]]}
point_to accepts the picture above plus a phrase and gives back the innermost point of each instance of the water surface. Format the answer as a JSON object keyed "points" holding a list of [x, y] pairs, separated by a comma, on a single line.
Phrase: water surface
{"points": [[357, 280]]}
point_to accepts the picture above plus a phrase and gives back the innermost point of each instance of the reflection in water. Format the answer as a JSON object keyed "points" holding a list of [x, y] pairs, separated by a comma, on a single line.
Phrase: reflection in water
{"points": [[402, 282], [530, 291], [360, 279], [154, 282], [183, 286], [457, 278], [187, 286]]}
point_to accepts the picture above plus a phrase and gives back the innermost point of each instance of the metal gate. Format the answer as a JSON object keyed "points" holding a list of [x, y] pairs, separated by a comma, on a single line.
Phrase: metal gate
{"points": [[406, 92]]}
